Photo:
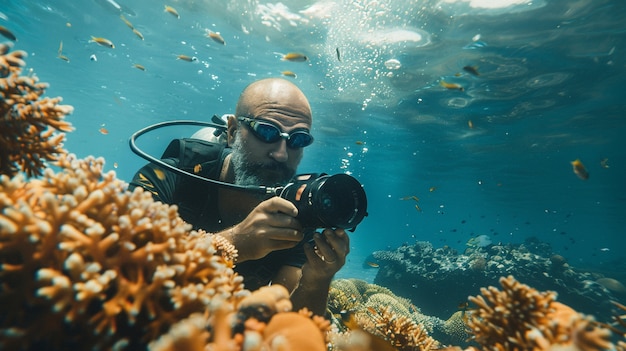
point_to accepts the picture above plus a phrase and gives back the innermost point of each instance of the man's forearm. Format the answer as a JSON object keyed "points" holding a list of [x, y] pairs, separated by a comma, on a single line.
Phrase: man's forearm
{"points": [[312, 294]]}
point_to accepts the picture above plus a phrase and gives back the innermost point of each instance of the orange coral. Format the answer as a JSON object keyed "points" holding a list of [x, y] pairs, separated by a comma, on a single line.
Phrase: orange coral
{"points": [[84, 262], [522, 318], [28, 122]]}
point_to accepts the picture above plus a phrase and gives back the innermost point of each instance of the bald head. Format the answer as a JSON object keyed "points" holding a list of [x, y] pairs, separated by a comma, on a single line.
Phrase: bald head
{"points": [[274, 98]]}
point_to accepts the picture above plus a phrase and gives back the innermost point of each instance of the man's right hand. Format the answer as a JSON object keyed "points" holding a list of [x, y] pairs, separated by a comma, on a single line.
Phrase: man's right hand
{"points": [[271, 226]]}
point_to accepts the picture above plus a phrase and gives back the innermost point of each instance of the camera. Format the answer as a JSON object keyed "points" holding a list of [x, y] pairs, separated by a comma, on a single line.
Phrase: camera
{"points": [[326, 201]]}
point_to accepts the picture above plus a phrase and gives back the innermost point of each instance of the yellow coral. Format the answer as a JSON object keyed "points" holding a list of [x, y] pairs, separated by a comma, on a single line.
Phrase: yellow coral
{"points": [[28, 122], [109, 266], [522, 318]]}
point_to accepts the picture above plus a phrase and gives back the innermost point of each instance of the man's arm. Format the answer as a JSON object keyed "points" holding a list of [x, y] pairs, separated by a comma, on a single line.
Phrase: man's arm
{"points": [[310, 284]]}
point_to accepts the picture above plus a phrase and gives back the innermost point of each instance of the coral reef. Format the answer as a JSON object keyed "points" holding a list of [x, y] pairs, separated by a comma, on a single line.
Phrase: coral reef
{"points": [[380, 313], [28, 122], [519, 317], [86, 263], [442, 278]]}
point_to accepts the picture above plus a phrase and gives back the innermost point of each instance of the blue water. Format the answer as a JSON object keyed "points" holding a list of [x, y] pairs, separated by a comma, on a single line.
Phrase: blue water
{"points": [[550, 90]]}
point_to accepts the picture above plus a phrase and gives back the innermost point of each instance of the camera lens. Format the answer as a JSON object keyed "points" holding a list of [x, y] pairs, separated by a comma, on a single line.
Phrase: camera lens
{"points": [[336, 201]]}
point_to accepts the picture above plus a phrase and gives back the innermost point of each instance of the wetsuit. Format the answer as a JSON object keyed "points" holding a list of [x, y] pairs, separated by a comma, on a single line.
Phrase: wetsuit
{"points": [[197, 200]]}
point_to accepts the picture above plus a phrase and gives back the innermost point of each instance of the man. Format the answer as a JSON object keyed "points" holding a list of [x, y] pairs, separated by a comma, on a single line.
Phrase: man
{"points": [[265, 141]]}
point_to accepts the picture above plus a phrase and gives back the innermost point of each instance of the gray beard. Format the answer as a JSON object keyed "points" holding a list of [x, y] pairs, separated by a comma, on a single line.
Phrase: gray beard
{"points": [[248, 173]]}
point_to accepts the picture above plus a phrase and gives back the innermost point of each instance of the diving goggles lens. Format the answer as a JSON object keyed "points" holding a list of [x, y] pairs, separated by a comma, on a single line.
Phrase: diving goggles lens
{"points": [[269, 133]]}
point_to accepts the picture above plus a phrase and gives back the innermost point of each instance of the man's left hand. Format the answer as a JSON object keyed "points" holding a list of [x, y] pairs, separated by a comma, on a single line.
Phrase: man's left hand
{"points": [[328, 255]]}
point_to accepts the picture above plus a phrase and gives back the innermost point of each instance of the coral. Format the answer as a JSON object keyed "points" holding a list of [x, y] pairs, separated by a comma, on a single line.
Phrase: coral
{"points": [[456, 328], [375, 316], [28, 122], [441, 277], [400, 331], [521, 318], [86, 263]]}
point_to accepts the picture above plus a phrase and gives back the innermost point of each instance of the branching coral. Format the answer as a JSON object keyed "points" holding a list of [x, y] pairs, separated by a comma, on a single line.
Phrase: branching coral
{"points": [[110, 267], [522, 318], [28, 122]]}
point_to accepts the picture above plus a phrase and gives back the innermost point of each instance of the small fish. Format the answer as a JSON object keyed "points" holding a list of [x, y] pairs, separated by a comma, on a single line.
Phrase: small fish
{"points": [[187, 58], [139, 67], [5, 32], [172, 11], [579, 169], [159, 173], [451, 86], [115, 165], [60, 51], [295, 57], [197, 168], [138, 33], [216, 37], [127, 22], [604, 163], [338, 54], [103, 131], [432, 188], [470, 124], [64, 58], [288, 74], [473, 70], [103, 41], [412, 197], [417, 207], [359, 142], [372, 264]]}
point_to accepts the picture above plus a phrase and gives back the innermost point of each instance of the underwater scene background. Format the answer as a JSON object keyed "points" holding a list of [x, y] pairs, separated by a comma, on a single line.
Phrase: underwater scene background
{"points": [[461, 118]]}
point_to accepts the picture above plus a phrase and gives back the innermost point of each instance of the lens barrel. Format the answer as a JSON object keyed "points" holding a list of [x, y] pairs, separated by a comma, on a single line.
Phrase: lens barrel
{"points": [[327, 201]]}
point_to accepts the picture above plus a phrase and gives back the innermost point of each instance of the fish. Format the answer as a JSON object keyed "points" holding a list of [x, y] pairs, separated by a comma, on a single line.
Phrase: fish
{"points": [[451, 86], [432, 188], [579, 169], [604, 163], [115, 165], [338, 54], [216, 37], [417, 207], [187, 58], [372, 264], [103, 131], [295, 57], [288, 74], [102, 41], [5, 32], [60, 53], [127, 22], [139, 67], [470, 124], [412, 197], [197, 168], [172, 11], [138, 33], [473, 70], [359, 142]]}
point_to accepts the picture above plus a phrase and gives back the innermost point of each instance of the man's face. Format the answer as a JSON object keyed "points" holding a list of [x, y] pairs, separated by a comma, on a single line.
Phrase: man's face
{"points": [[258, 163]]}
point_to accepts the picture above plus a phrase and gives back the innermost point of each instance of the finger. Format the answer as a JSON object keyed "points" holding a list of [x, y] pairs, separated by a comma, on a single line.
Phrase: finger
{"points": [[281, 220], [277, 204], [338, 240], [285, 234], [324, 249]]}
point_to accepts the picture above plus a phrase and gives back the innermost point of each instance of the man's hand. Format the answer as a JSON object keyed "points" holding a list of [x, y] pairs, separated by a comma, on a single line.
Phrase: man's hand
{"points": [[269, 227], [328, 255]]}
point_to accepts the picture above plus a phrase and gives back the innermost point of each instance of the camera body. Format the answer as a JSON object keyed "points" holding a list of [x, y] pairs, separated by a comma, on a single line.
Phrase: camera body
{"points": [[326, 201]]}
